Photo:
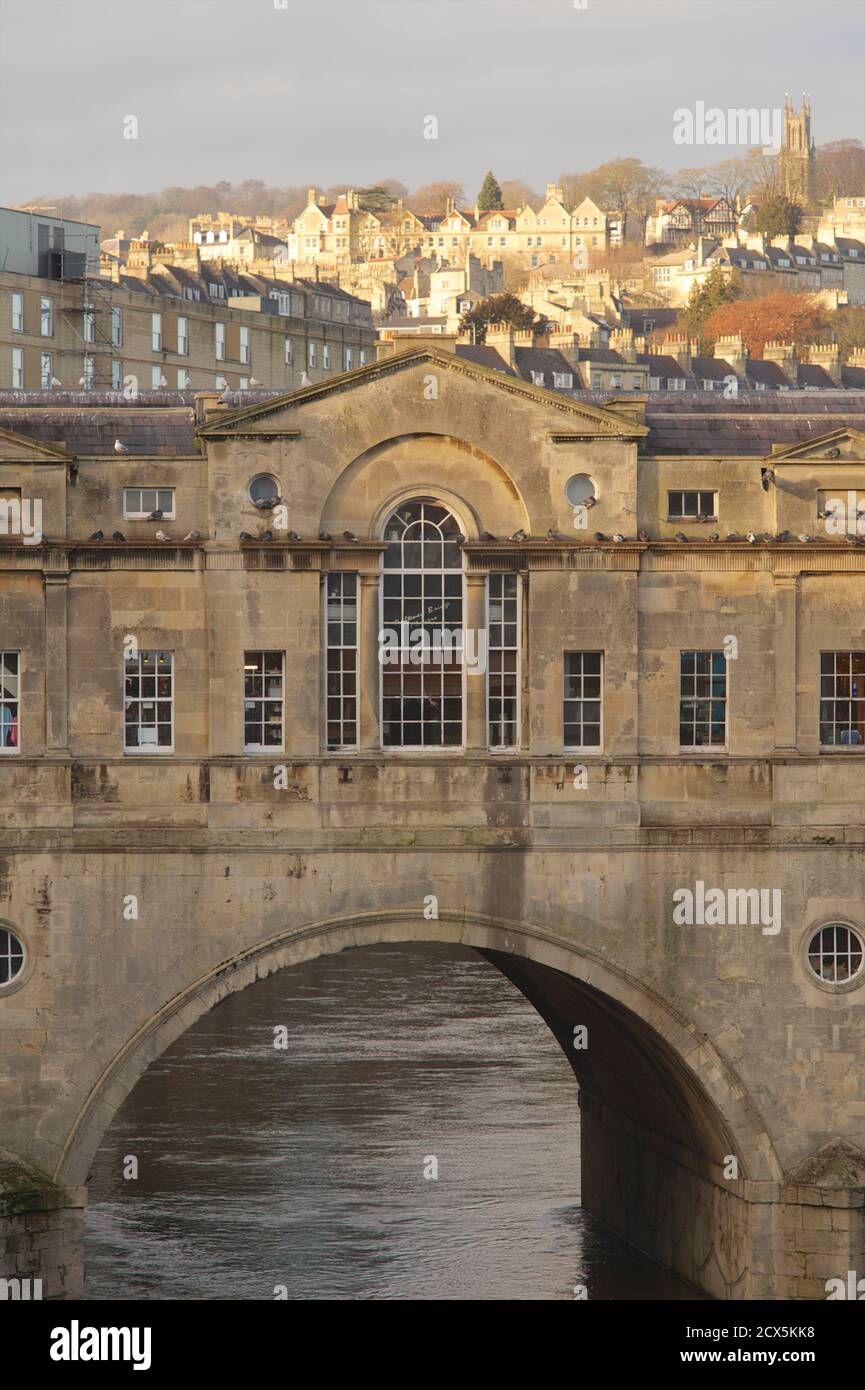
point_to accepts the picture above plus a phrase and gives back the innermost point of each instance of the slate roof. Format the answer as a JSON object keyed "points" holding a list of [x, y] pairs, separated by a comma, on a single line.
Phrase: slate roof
{"points": [[710, 368], [810, 374], [768, 373], [484, 357], [602, 355], [546, 360], [660, 364], [706, 423], [163, 423]]}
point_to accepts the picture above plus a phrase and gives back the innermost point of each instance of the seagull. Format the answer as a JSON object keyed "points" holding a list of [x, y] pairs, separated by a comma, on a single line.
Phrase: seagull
{"points": [[222, 383], [266, 536], [552, 535], [161, 536], [617, 538], [97, 536], [292, 536], [193, 536], [599, 536], [642, 535], [324, 536], [253, 382], [349, 536], [245, 536], [55, 381], [713, 536], [304, 379], [488, 536], [163, 381], [118, 536], [519, 535], [120, 448], [155, 516], [680, 536], [751, 538], [227, 397]]}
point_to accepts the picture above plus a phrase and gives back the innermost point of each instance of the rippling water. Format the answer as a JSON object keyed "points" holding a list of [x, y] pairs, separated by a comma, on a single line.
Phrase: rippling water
{"points": [[303, 1167]]}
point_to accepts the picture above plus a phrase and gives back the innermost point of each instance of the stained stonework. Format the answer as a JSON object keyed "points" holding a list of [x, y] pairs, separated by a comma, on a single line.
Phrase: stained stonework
{"points": [[706, 1043]]}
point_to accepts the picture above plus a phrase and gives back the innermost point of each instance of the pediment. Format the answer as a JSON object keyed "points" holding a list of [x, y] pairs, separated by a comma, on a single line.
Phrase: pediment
{"points": [[567, 416], [838, 1164], [845, 445], [20, 448]]}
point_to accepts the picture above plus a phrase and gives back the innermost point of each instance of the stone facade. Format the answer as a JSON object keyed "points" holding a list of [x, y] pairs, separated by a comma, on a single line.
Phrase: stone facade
{"points": [[704, 1044]]}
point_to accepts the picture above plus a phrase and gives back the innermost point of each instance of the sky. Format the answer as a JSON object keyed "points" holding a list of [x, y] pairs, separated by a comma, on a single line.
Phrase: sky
{"points": [[326, 92]]}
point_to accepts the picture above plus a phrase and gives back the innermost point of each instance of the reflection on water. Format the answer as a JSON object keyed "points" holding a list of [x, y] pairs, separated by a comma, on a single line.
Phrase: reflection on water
{"points": [[304, 1166]]}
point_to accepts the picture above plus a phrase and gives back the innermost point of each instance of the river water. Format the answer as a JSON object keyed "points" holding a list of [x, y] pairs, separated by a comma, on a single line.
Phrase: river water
{"points": [[268, 1170]]}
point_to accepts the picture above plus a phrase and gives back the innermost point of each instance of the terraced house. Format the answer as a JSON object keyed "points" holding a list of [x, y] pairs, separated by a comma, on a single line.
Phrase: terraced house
{"points": [[429, 652]]}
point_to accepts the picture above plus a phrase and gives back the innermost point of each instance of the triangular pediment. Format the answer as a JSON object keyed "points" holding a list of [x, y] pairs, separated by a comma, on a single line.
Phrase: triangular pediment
{"points": [[838, 1164], [20, 448], [845, 445], [567, 416]]}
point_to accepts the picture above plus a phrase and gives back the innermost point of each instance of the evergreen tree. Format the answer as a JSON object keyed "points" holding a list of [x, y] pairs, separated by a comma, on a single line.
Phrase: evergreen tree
{"points": [[716, 289], [490, 196]]}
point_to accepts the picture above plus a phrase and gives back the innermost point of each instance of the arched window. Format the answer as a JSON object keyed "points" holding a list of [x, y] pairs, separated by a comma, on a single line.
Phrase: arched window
{"points": [[421, 642]]}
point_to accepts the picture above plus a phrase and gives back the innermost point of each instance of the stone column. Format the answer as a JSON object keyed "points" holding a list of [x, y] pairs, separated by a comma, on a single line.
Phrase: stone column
{"points": [[56, 663], [786, 664], [475, 724], [369, 672]]}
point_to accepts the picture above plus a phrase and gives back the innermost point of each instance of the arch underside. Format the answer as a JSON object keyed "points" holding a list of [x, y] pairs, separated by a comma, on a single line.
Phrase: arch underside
{"points": [[661, 1110]]}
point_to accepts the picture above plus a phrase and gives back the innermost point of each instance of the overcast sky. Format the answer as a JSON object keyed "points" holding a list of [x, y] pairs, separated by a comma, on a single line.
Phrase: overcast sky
{"points": [[331, 92]]}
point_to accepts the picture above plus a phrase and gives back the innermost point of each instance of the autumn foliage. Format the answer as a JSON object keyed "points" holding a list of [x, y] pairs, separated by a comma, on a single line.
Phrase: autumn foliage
{"points": [[783, 316]]}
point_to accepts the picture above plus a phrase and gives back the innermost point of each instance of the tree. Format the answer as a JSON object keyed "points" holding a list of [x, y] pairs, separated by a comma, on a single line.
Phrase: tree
{"points": [[628, 187], [728, 178], [718, 289], [840, 169], [376, 199], [433, 197], [490, 196], [500, 308], [783, 316], [762, 176], [778, 217], [848, 328], [516, 194]]}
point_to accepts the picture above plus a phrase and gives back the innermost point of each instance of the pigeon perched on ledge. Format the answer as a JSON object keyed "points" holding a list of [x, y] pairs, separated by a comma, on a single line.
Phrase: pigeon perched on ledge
{"points": [[245, 536], [193, 536], [118, 536], [97, 536], [349, 536], [161, 536]]}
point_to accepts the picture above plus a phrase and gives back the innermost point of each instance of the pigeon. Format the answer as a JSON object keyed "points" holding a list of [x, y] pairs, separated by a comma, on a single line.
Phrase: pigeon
{"points": [[266, 536], [519, 535], [245, 536], [324, 536], [349, 536], [118, 536], [120, 448], [751, 538], [642, 535], [292, 536], [193, 536], [97, 536], [853, 540], [734, 536], [487, 536], [805, 538], [161, 536], [552, 535], [459, 538], [617, 538], [264, 504], [783, 536], [767, 476], [599, 536], [155, 516], [680, 536], [833, 453], [713, 536]]}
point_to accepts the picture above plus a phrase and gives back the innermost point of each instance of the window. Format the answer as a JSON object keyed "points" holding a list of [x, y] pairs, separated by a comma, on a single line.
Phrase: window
{"points": [[583, 695], [341, 619], [262, 700], [580, 490], [46, 371], [11, 956], [9, 693], [89, 325], [263, 488], [156, 332], [116, 375], [182, 379], [116, 327], [835, 953], [156, 378], [310, 355], [182, 336], [244, 383], [842, 699], [702, 699], [46, 316], [684, 505], [564, 380], [349, 362], [363, 357], [219, 341], [325, 356], [17, 312], [148, 702], [537, 378], [288, 352], [244, 345], [139, 502], [18, 368], [89, 373], [422, 628], [503, 660]]}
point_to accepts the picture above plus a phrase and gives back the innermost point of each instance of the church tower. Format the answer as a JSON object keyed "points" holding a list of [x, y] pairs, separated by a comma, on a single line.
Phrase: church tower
{"points": [[796, 157]]}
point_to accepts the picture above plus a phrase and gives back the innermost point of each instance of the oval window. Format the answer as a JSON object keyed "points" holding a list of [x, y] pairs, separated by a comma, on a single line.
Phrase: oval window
{"points": [[263, 490], [11, 956], [580, 490], [836, 953]]}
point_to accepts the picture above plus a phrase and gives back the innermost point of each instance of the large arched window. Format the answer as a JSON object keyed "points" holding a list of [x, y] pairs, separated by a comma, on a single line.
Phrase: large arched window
{"points": [[421, 644]]}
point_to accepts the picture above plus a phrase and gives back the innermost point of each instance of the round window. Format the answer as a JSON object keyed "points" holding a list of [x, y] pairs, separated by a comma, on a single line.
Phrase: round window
{"points": [[263, 490], [835, 953], [580, 490], [11, 957]]}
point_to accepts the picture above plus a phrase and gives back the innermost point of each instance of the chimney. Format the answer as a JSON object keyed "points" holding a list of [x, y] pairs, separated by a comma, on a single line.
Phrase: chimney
{"points": [[857, 357], [827, 356], [732, 350], [567, 343], [554, 190], [622, 341], [784, 356], [680, 349], [502, 339], [310, 196]]}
